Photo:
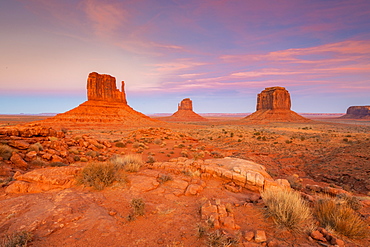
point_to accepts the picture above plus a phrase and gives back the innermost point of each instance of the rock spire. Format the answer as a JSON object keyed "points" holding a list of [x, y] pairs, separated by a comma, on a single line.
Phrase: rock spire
{"points": [[185, 113]]}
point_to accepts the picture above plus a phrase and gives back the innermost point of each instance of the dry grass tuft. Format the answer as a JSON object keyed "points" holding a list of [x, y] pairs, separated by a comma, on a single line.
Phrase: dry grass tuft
{"points": [[98, 175], [341, 218], [218, 239], [138, 206], [5, 152], [17, 239], [288, 209], [129, 162]]}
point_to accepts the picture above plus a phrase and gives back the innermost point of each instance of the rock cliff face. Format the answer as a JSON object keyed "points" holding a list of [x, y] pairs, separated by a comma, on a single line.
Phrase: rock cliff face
{"points": [[185, 104], [273, 98], [358, 112], [185, 113], [103, 88], [105, 104], [273, 104]]}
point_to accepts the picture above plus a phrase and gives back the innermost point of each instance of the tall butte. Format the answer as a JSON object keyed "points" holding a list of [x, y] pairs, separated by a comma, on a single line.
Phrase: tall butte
{"points": [[273, 105], [105, 104], [185, 113]]}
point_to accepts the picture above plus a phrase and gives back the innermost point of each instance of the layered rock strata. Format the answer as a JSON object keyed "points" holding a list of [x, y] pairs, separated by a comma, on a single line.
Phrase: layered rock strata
{"points": [[273, 104], [185, 113], [358, 112], [105, 104]]}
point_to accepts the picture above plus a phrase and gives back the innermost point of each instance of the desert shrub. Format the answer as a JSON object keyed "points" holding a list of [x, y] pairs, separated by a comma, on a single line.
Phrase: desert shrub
{"points": [[38, 162], [73, 151], [84, 159], [5, 152], [138, 145], [287, 209], [76, 158], [164, 178], [138, 208], [120, 144], [340, 218], [157, 141], [184, 154], [57, 164], [295, 182], [345, 139], [17, 239], [201, 230], [129, 162], [352, 201], [98, 175], [35, 147], [92, 154], [219, 239], [150, 159]]}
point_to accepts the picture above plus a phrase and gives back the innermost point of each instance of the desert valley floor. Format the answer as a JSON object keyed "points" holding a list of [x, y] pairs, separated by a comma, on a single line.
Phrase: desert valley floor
{"points": [[179, 183]]}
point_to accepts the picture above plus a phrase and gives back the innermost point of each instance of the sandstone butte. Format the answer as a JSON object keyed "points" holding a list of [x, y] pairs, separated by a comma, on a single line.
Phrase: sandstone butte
{"points": [[273, 104], [105, 104], [358, 112], [185, 113]]}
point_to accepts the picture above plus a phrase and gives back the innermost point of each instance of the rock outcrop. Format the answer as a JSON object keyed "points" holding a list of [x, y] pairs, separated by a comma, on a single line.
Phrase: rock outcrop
{"points": [[105, 104], [358, 112], [103, 88], [273, 104], [185, 113]]}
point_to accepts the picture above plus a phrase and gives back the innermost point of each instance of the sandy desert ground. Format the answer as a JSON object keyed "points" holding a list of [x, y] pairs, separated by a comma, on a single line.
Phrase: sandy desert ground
{"points": [[323, 157]]}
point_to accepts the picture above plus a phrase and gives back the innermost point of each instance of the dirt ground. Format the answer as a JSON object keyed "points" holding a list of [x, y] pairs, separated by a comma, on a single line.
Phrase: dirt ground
{"points": [[325, 152]]}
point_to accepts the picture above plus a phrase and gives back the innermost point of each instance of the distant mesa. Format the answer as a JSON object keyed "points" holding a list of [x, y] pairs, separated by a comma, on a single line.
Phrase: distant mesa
{"points": [[273, 105], [105, 104], [358, 112], [185, 113]]}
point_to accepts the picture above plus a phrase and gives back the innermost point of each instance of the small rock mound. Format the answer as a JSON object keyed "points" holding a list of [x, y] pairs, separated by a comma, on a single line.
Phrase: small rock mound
{"points": [[357, 112], [273, 104], [185, 113]]}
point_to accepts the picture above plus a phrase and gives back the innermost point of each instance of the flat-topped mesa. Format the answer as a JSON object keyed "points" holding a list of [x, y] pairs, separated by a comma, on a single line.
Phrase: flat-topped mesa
{"points": [[358, 112], [273, 105], [185, 104], [103, 88], [273, 98]]}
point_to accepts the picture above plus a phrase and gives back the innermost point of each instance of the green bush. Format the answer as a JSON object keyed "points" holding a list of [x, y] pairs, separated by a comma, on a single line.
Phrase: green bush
{"points": [[287, 209]]}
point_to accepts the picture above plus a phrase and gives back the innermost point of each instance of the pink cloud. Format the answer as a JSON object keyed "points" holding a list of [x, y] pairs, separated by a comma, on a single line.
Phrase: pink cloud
{"points": [[106, 17]]}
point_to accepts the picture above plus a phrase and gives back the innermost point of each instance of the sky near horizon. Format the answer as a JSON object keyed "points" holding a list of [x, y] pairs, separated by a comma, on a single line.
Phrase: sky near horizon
{"points": [[219, 53]]}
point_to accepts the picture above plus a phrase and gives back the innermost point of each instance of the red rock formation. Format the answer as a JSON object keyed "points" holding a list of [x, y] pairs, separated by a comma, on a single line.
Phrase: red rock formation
{"points": [[185, 113], [358, 112], [105, 104], [103, 88], [273, 104]]}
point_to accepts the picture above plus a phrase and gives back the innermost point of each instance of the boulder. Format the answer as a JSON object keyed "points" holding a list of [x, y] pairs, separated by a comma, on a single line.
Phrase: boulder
{"points": [[44, 179], [18, 161]]}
